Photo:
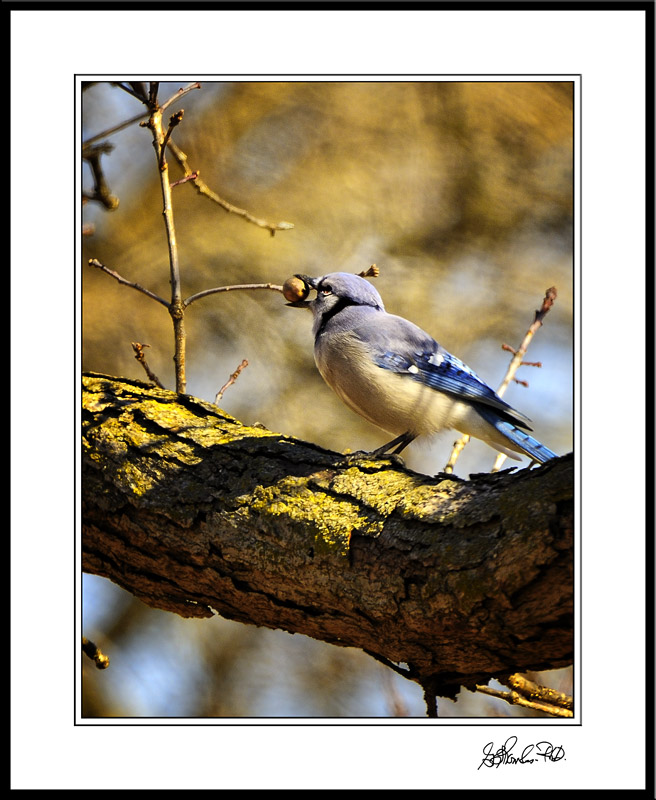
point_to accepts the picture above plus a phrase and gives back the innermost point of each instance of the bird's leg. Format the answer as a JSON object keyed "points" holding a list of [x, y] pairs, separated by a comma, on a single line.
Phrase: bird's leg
{"points": [[398, 444]]}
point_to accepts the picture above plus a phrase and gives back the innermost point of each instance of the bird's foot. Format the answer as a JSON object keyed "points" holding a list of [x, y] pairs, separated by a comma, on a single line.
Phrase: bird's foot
{"points": [[361, 456]]}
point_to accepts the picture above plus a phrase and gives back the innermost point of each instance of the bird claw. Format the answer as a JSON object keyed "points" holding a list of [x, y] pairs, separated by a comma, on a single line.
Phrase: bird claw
{"points": [[362, 455]]}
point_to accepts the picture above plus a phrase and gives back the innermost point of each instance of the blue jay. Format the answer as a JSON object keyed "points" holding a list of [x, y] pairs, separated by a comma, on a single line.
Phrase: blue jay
{"points": [[396, 376]]}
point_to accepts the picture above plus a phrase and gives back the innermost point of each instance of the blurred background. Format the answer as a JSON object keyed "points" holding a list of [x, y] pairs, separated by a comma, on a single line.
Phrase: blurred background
{"points": [[460, 192]]}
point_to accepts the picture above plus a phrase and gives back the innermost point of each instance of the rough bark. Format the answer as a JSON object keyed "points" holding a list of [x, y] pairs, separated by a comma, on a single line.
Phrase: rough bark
{"points": [[196, 513]]}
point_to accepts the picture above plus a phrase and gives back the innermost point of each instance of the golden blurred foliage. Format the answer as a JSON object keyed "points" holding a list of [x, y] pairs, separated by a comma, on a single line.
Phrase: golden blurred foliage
{"points": [[460, 191], [462, 194]]}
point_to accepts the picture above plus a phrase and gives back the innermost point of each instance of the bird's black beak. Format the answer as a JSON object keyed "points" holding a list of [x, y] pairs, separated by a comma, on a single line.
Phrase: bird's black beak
{"points": [[301, 289], [308, 281]]}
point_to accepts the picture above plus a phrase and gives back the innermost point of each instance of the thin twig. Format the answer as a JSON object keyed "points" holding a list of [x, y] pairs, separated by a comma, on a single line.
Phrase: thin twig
{"points": [[499, 461], [202, 188], [515, 363], [237, 287], [517, 359], [93, 651], [534, 691], [175, 120], [180, 93], [114, 129], [407, 673], [186, 178], [371, 272], [516, 699], [101, 192], [176, 306], [141, 358], [153, 88], [140, 88], [230, 381], [129, 90], [93, 262], [512, 350], [458, 446], [549, 300]]}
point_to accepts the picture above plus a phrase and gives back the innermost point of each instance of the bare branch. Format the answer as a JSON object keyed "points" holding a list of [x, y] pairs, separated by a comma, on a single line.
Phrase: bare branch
{"points": [[141, 358], [130, 90], [139, 88], [236, 287], [93, 262], [458, 446], [180, 93], [549, 299], [202, 188], [535, 691], [175, 120], [371, 272], [114, 129], [230, 381], [176, 306], [186, 178], [515, 363], [101, 192], [153, 88], [517, 698], [95, 654]]}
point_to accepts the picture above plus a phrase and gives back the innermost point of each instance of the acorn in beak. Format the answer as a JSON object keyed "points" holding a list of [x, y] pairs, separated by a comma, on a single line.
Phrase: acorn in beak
{"points": [[295, 290]]}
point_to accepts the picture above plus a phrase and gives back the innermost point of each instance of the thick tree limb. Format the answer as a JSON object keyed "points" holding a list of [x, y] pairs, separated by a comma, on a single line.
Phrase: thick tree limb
{"points": [[195, 513]]}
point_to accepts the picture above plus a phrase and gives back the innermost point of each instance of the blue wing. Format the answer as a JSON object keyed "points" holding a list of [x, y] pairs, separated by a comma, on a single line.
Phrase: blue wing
{"points": [[440, 370], [402, 347]]}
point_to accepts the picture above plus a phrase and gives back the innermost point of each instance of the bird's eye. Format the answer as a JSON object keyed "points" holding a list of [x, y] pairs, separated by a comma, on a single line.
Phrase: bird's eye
{"points": [[325, 290]]}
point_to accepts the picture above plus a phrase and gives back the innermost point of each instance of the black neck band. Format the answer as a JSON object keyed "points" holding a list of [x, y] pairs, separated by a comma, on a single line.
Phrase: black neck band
{"points": [[340, 305]]}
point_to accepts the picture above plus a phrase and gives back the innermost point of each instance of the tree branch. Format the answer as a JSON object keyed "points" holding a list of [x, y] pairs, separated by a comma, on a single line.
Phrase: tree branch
{"points": [[176, 306], [516, 361], [202, 188], [93, 262], [196, 513]]}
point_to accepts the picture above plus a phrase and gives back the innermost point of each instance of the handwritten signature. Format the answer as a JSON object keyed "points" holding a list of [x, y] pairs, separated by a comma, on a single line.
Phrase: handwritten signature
{"points": [[532, 753]]}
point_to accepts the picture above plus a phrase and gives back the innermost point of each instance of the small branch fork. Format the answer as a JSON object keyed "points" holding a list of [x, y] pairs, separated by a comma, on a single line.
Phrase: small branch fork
{"points": [[516, 361], [528, 694], [161, 142], [371, 272], [523, 692], [138, 348], [518, 355], [91, 153], [94, 262]]}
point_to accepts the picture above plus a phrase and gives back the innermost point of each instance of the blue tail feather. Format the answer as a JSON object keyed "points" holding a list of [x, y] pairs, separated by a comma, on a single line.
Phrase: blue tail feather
{"points": [[527, 443]]}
